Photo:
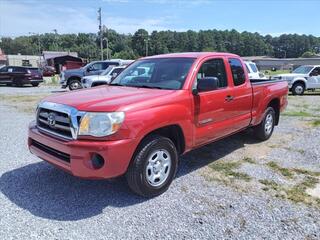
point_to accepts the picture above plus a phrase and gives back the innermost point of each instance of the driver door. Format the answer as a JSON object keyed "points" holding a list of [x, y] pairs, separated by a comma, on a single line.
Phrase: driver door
{"points": [[212, 110], [314, 79]]}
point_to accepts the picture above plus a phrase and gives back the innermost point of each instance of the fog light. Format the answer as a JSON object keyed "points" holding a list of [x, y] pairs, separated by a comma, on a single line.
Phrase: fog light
{"points": [[97, 161]]}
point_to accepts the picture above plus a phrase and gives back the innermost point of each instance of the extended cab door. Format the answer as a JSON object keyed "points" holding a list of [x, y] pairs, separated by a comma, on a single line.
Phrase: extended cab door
{"points": [[314, 79], [212, 108], [240, 105]]}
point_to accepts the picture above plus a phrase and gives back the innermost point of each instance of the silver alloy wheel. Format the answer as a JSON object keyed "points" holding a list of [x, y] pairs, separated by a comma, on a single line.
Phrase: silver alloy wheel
{"points": [[74, 85], [299, 89], [158, 167], [268, 124]]}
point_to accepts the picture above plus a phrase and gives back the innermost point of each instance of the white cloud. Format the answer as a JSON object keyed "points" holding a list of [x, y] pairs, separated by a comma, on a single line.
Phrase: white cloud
{"points": [[18, 18]]}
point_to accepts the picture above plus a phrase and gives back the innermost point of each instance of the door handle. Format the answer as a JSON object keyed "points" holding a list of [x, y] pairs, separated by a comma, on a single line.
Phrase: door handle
{"points": [[229, 98]]}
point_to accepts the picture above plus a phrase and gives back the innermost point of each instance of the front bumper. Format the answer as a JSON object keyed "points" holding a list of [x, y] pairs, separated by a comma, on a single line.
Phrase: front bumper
{"points": [[75, 156]]}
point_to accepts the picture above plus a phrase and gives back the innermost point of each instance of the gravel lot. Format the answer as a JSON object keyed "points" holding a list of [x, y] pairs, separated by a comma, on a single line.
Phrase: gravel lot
{"points": [[233, 189]]}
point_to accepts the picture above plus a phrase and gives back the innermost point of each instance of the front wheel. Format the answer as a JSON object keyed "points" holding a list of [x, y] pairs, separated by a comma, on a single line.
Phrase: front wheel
{"points": [[265, 129], [153, 167], [298, 89], [35, 84], [74, 84]]}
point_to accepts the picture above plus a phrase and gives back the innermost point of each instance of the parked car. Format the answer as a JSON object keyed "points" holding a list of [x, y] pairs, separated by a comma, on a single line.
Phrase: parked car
{"points": [[253, 71], [48, 71], [36, 73], [19, 76], [72, 78], [139, 124], [306, 77], [104, 78]]}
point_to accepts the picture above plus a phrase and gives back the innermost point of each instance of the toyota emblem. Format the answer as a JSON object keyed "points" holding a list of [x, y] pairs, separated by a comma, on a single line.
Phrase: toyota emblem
{"points": [[51, 119]]}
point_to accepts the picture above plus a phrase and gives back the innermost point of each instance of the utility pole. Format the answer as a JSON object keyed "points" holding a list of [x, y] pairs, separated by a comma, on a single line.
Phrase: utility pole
{"points": [[55, 39], [147, 40], [101, 33], [39, 46], [105, 30]]}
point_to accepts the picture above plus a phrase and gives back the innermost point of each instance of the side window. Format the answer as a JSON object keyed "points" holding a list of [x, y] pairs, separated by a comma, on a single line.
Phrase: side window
{"points": [[238, 75], [316, 72], [105, 65], [214, 68], [3, 69], [97, 66]]}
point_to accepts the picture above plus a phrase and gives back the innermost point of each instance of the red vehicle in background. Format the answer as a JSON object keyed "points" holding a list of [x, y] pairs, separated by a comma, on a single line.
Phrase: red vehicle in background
{"points": [[142, 121]]}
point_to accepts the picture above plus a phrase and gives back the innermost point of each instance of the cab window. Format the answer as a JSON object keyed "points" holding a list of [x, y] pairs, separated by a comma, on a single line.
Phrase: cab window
{"points": [[315, 72], [213, 68], [237, 72]]}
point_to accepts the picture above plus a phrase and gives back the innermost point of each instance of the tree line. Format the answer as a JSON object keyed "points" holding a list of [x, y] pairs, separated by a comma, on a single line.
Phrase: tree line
{"points": [[132, 46]]}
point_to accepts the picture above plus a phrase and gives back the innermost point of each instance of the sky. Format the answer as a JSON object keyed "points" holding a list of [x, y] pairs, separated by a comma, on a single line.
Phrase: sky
{"points": [[274, 17]]}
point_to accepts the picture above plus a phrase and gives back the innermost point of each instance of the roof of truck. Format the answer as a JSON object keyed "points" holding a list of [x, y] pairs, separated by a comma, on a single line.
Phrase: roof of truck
{"points": [[191, 55]]}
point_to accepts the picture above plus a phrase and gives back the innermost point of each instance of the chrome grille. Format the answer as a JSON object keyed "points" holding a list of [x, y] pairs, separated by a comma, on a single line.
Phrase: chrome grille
{"points": [[60, 125], [58, 120]]}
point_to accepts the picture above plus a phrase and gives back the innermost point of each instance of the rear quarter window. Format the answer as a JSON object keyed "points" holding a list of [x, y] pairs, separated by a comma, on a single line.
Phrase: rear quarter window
{"points": [[238, 75]]}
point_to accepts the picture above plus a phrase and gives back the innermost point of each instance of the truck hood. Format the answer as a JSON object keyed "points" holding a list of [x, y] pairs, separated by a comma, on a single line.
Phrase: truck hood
{"points": [[111, 98], [292, 75]]}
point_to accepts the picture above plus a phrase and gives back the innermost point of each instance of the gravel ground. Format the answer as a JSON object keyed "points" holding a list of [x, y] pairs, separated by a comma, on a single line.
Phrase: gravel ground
{"points": [[38, 201]]}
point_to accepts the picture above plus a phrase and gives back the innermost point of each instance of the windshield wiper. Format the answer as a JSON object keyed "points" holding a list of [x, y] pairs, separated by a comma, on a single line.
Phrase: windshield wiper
{"points": [[147, 86]]}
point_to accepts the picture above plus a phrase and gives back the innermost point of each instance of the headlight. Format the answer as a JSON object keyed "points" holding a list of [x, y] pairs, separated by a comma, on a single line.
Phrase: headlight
{"points": [[100, 124]]}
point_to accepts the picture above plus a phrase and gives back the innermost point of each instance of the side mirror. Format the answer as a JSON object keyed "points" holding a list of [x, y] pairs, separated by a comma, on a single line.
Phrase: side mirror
{"points": [[207, 84], [89, 69]]}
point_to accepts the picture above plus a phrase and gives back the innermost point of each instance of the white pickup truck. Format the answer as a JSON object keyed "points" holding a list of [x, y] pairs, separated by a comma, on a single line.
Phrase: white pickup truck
{"points": [[303, 78]]}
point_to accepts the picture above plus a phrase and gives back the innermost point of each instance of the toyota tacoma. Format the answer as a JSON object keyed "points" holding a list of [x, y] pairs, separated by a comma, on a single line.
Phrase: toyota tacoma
{"points": [[141, 122]]}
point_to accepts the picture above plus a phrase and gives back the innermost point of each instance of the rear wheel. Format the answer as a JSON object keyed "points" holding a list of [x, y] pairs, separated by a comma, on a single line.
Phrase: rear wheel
{"points": [[298, 89], [265, 129], [74, 84], [153, 167]]}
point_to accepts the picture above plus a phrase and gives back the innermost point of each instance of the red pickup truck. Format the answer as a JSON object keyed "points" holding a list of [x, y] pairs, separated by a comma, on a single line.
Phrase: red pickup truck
{"points": [[158, 108]]}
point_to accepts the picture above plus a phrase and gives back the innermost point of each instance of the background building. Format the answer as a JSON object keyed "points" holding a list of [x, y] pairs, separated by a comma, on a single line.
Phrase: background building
{"points": [[267, 63]]}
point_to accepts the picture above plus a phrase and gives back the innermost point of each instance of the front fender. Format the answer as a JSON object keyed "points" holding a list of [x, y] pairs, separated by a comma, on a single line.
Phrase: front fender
{"points": [[145, 121]]}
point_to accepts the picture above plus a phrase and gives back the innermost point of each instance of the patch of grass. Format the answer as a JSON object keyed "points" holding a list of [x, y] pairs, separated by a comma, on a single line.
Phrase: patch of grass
{"points": [[271, 73], [315, 123], [248, 160], [297, 114], [298, 192], [284, 171], [227, 169], [271, 184], [306, 172], [26, 103]]}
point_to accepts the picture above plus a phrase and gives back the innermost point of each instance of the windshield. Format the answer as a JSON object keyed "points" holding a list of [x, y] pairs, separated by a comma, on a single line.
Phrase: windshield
{"points": [[303, 69], [162, 73], [253, 67]]}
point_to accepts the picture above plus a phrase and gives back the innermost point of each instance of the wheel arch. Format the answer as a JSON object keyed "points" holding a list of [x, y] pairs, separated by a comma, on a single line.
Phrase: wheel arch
{"points": [[300, 80], [275, 104], [73, 78], [174, 132]]}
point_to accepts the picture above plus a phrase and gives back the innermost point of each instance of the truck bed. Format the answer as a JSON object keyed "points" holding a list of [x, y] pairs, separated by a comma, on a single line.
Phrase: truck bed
{"points": [[256, 81]]}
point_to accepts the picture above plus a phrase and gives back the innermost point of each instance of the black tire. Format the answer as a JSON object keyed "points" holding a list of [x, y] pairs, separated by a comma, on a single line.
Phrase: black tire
{"points": [[74, 84], [35, 84], [298, 89], [138, 170], [9, 84], [260, 131]]}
